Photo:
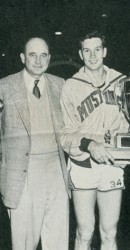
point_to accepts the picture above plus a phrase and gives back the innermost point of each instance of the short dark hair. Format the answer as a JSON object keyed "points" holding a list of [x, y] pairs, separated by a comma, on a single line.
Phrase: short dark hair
{"points": [[93, 34]]}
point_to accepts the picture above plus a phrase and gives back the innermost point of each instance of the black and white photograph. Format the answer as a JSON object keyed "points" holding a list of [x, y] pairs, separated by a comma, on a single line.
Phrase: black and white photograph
{"points": [[64, 125]]}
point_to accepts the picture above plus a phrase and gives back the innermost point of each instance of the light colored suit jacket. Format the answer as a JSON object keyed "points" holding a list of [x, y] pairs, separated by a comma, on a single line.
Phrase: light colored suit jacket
{"points": [[15, 133]]}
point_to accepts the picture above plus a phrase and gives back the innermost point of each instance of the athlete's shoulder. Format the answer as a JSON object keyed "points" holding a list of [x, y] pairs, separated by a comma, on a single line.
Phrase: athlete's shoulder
{"points": [[74, 79], [69, 82], [69, 86], [114, 75]]}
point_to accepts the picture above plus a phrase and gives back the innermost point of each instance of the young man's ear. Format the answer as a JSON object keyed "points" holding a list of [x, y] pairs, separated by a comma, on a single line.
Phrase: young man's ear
{"points": [[104, 52], [22, 56], [80, 54]]}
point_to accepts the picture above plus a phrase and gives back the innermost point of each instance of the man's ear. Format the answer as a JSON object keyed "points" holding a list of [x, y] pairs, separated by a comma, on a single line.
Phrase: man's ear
{"points": [[104, 52], [80, 54], [49, 57], [22, 56]]}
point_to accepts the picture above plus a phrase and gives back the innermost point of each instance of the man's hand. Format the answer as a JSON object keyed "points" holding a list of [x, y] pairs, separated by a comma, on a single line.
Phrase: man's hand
{"points": [[99, 153]]}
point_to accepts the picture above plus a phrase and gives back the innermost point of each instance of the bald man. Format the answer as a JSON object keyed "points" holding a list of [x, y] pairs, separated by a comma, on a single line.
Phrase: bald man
{"points": [[33, 170]]}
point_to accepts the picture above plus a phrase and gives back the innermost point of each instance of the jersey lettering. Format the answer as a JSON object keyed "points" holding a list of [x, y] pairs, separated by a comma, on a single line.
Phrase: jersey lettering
{"points": [[89, 104], [111, 98], [93, 100], [82, 111]]}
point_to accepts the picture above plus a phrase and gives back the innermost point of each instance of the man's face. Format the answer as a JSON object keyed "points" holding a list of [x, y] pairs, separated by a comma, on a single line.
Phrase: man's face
{"points": [[92, 53], [36, 57]]}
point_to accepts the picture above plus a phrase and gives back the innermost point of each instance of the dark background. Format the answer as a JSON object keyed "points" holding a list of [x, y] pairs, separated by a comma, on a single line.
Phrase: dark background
{"points": [[21, 19]]}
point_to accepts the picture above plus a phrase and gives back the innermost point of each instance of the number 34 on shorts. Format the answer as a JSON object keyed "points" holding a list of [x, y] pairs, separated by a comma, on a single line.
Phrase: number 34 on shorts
{"points": [[112, 178], [117, 184]]}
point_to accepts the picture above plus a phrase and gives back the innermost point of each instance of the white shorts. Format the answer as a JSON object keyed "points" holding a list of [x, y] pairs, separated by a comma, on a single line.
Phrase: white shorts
{"points": [[101, 177]]}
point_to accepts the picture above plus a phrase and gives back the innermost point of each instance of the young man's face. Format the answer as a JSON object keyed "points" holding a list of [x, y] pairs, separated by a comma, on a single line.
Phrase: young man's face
{"points": [[36, 57], [92, 53]]}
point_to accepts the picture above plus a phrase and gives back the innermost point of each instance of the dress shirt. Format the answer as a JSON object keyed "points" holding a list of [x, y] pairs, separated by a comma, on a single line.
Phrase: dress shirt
{"points": [[29, 82]]}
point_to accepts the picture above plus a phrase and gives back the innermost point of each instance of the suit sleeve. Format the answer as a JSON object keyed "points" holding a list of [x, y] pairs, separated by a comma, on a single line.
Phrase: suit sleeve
{"points": [[1, 108], [1, 102]]}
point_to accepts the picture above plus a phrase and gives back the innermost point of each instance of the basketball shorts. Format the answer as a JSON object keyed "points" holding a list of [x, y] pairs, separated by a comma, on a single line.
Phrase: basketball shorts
{"points": [[101, 177]]}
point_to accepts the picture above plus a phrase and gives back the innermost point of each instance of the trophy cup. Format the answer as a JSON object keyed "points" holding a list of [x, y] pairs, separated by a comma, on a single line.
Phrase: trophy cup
{"points": [[121, 150]]}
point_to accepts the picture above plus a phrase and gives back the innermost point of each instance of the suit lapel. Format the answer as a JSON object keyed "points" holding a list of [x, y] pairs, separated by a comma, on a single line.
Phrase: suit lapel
{"points": [[20, 99], [21, 102], [54, 100]]}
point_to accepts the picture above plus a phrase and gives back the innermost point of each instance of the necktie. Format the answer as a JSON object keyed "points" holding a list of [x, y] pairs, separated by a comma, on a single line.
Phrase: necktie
{"points": [[36, 90]]}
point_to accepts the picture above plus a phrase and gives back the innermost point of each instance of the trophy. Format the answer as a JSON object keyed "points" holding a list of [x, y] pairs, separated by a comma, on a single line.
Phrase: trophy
{"points": [[121, 149]]}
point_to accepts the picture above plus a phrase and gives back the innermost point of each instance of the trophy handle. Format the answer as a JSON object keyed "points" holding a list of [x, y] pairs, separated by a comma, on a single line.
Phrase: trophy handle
{"points": [[125, 98], [121, 152]]}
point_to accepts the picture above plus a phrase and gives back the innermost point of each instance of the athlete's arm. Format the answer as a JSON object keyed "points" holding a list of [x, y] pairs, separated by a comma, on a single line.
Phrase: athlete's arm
{"points": [[70, 136]]}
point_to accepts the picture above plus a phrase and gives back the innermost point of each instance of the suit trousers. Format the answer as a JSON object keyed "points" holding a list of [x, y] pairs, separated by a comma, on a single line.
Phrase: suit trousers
{"points": [[43, 209]]}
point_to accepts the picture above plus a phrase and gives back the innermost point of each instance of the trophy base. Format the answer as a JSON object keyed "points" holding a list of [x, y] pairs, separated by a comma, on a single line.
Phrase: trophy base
{"points": [[121, 155], [123, 140]]}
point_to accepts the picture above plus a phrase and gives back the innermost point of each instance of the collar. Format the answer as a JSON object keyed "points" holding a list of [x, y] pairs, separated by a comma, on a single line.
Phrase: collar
{"points": [[29, 81], [89, 77]]}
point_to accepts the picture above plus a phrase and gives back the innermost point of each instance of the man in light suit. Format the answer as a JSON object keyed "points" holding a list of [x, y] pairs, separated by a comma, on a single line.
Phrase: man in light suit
{"points": [[33, 177]]}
